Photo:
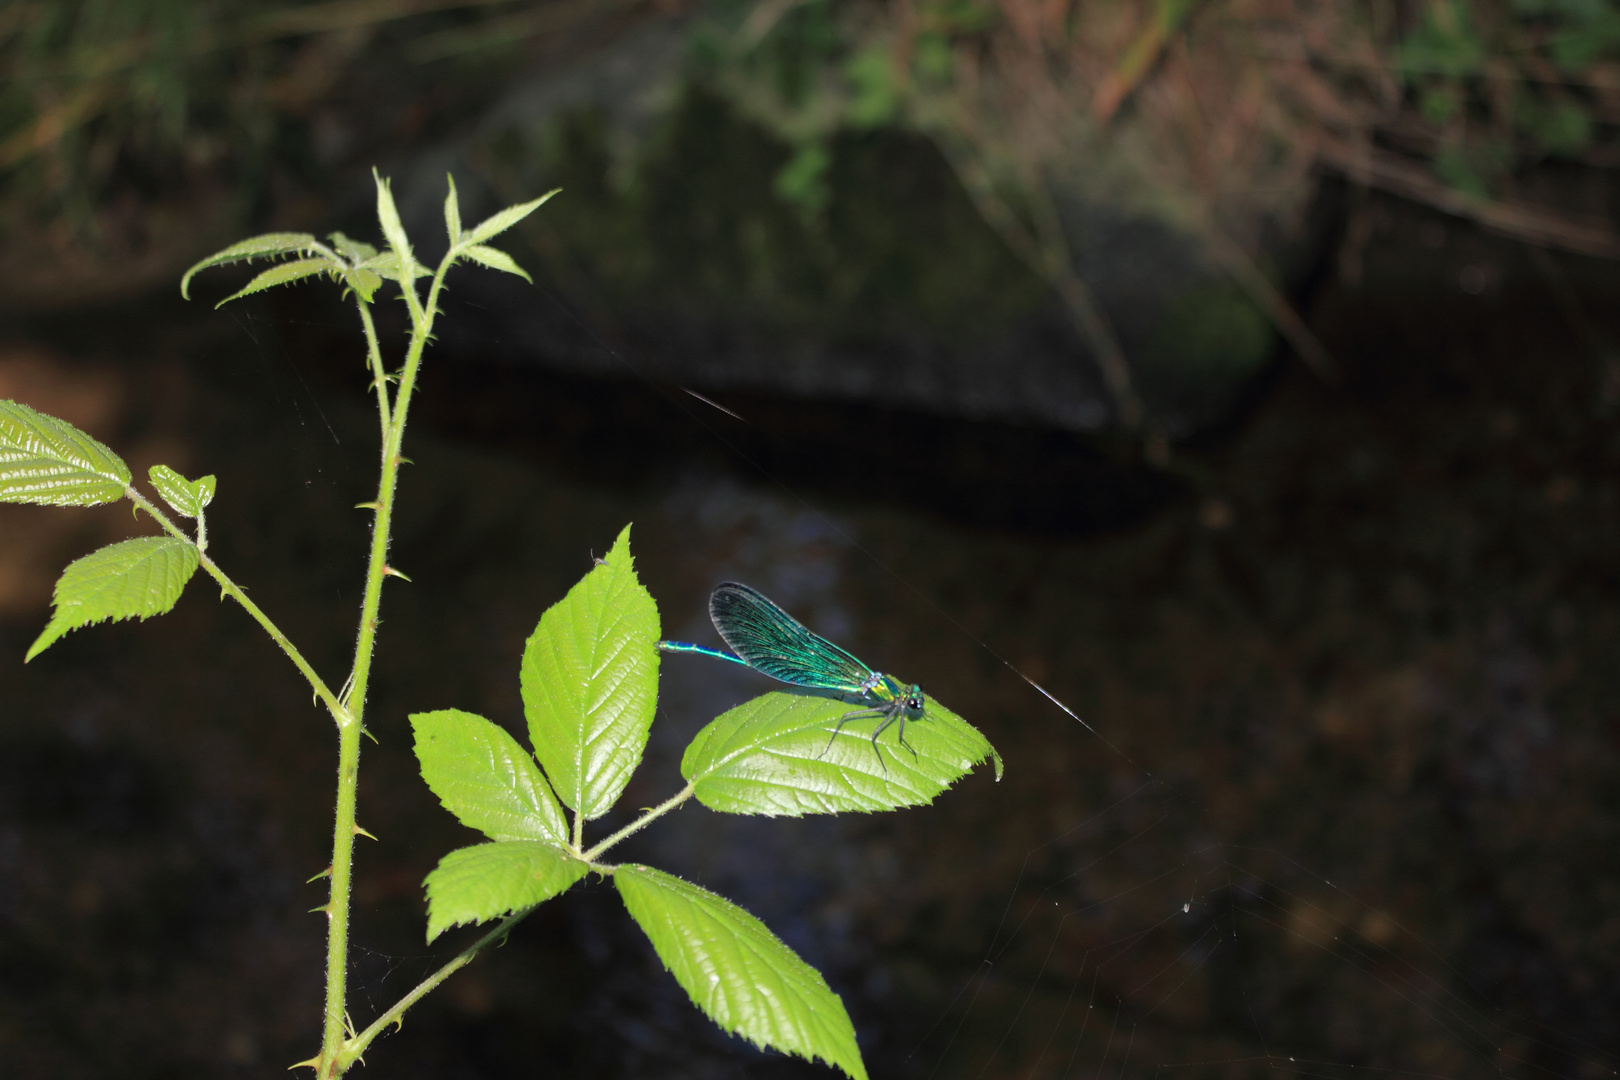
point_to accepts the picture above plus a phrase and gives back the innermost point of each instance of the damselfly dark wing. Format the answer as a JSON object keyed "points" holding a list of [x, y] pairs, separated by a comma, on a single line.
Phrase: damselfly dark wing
{"points": [[774, 642]]}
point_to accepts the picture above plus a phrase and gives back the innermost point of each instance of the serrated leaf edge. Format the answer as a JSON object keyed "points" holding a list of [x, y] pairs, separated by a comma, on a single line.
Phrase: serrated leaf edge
{"points": [[565, 858], [502, 220], [741, 935], [64, 619], [263, 246]]}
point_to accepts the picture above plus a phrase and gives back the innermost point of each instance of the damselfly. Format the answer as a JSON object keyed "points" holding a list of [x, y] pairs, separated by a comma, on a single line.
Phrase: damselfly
{"points": [[774, 643]]}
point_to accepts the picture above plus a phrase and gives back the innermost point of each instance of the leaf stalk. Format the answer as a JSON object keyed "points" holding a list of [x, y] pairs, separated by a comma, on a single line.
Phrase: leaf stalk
{"points": [[641, 822], [354, 1047], [235, 592]]}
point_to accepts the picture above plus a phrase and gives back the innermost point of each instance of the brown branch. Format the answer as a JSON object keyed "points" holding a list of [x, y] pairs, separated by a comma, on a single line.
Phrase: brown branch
{"points": [[1519, 220]]}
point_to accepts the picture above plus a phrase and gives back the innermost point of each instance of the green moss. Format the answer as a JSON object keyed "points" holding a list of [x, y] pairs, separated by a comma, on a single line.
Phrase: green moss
{"points": [[702, 223], [1210, 337]]}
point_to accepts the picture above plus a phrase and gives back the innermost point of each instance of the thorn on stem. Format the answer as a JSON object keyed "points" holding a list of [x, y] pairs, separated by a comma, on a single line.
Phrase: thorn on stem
{"points": [[391, 572], [358, 831], [324, 873]]}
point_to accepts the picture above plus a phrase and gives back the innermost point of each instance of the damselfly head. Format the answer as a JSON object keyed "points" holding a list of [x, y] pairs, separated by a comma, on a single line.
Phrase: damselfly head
{"points": [[914, 698]]}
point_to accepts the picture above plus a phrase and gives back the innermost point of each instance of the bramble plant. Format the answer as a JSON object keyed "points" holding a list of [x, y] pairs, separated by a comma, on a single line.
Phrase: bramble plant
{"points": [[589, 680]]}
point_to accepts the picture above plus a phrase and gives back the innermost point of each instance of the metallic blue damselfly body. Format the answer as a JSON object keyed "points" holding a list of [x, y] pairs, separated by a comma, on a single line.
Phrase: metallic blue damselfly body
{"points": [[764, 637]]}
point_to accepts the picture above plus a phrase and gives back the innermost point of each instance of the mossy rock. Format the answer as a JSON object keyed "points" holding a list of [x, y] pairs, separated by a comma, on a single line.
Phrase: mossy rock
{"points": [[695, 236]]}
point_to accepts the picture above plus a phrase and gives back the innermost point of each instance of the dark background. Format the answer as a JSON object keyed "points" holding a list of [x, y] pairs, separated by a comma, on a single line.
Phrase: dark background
{"points": [[1345, 649]]}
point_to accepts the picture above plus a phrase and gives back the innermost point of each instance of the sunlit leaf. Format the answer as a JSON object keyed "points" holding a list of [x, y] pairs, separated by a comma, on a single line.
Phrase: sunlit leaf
{"points": [[778, 755], [186, 497], [590, 683], [388, 218], [485, 778], [387, 264], [49, 461], [452, 211], [268, 245], [282, 274], [739, 973], [355, 251], [496, 259], [496, 224], [132, 579], [365, 283], [485, 881]]}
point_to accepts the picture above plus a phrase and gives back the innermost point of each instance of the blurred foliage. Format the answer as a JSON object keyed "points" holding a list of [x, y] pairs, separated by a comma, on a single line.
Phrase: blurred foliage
{"points": [[1202, 113], [1503, 85], [110, 102], [102, 86], [1215, 107], [1210, 120]]}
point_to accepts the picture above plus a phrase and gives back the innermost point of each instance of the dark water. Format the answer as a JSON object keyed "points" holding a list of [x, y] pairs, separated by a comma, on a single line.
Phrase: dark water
{"points": [[1348, 808]]}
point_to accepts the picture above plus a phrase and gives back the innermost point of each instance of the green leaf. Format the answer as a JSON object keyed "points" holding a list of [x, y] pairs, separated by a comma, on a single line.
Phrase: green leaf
{"points": [[49, 461], [363, 282], [186, 497], [590, 683], [486, 881], [1444, 44], [452, 211], [131, 579], [283, 274], [496, 224], [1581, 46], [933, 58], [875, 99], [354, 250], [387, 264], [739, 973], [495, 259], [259, 247], [1566, 129], [803, 180], [777, 755], [485, 778], [388, 218]]}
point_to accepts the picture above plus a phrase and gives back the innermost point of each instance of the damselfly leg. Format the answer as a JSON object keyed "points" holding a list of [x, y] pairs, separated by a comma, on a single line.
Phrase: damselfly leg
{"points": [[893, 711]]}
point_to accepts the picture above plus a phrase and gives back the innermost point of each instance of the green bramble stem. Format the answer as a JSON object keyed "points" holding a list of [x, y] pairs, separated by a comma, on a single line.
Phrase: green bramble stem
{"points": [[357, 1046], [379, 375], [353, 1048], [349, 729], [335, 1057], [641, 822], [362, 270]]}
